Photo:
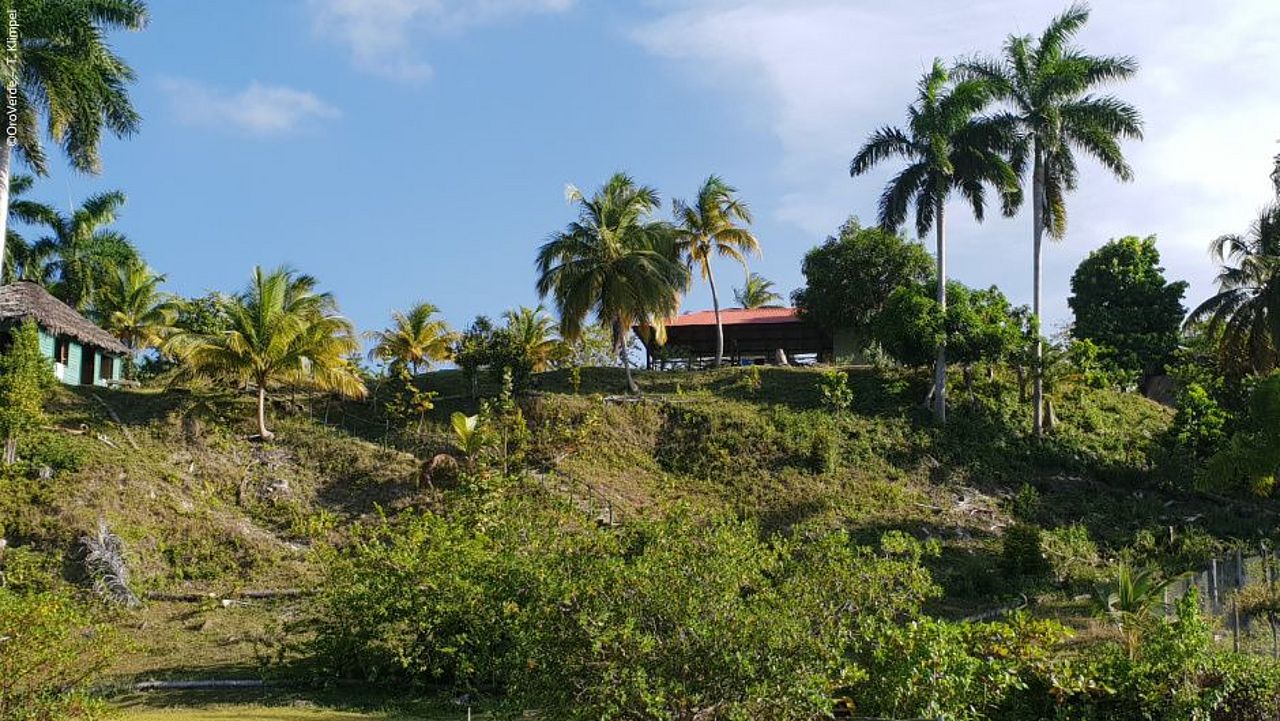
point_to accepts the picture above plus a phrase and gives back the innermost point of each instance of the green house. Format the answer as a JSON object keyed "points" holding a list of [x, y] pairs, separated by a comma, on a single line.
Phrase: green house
{"points": [[82, 353]]}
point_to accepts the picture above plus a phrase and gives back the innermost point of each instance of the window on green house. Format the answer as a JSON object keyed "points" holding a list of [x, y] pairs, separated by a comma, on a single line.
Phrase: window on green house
{"points": [[61, 350], [106, 368]]}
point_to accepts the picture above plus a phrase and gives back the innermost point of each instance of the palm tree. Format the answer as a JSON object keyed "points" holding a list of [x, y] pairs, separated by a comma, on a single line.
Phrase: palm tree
{"points": [[416, 338], [532, 331], [83, 252], [1130, 601], [757, 292], [130, 306], [63, 72], [949, 147], [1245, 312], [708, 229], [20, 262], [1051, 87], [615, 262], [281, 331]]}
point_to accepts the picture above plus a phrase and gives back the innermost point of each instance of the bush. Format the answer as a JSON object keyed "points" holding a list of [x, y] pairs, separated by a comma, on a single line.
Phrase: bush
{"points": [[835, 392], [1022, 551], [50, 649]]}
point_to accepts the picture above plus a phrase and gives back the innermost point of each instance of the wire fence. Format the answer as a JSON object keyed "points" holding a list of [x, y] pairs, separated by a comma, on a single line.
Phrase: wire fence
{"points": [[1219, 585]]}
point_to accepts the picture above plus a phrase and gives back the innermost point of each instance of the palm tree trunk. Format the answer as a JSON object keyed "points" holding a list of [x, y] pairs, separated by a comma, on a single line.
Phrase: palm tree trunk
{"points": [[622, 353], [263, 433], [1037, 220], [6, 159], [940, 366], [715, 304]]}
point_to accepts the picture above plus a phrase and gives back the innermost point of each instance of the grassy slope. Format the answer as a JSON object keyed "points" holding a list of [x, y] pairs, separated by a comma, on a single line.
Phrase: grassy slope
{"points": [[203, 509]]}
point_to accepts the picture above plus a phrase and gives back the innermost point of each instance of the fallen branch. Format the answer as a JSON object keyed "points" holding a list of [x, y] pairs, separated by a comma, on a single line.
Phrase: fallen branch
{"points": [[116, 417], [203, 684]]}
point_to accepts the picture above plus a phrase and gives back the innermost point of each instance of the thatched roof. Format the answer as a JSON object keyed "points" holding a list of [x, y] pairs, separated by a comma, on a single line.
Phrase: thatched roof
{"points": [[24, 299]]}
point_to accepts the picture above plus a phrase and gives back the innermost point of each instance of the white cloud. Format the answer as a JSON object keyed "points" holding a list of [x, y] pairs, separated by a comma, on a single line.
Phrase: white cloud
{"points": [[379, 34], [823, 73], [258, 109]]}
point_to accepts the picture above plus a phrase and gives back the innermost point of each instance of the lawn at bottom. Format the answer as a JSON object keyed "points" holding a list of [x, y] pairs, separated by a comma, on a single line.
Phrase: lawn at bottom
{"points": [[280, 705]]}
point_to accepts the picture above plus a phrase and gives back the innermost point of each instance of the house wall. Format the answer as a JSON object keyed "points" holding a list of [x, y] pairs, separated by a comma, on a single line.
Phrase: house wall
{"points": [[78, 356]]}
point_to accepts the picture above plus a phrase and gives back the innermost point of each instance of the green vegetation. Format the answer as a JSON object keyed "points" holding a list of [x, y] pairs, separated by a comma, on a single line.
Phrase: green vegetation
{"points": [[25, 380], [757, 292]]}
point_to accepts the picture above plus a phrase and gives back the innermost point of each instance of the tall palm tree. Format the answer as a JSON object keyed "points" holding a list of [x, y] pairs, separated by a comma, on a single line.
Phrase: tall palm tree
{"points": [[416, 338], [615, 262], [708, 229], [131, 306], [63, 72], [282, 331], [1051, 86], [1245, 312], [757, 292], [949, 147], [20, 262], [533, 332], [82, 252]]}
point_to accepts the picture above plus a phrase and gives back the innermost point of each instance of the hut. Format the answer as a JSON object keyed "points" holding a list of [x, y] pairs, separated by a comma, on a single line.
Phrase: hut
{"points": [[82, 353], [751, 335]]}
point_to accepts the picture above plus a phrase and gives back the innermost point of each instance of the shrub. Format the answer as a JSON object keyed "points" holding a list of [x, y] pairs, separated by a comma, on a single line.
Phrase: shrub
{"points": [[50, 649], [835, 392], [1021, 550]]}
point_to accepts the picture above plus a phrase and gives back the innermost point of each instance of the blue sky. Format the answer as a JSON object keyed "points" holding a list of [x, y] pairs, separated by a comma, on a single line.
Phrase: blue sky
{"points": [[418, 149]]}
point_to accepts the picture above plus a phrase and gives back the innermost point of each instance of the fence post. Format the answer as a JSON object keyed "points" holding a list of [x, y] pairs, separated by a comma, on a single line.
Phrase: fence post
{"points": [[1213, 583], [1235, 625], [1241, 575]]}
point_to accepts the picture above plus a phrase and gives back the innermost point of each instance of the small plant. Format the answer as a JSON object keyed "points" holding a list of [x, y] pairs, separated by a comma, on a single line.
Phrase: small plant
{"points": [[835, 391], [468, 436], [1022, 550], [575, 379], [1026, 503], [751, 381], [1129, 601]]}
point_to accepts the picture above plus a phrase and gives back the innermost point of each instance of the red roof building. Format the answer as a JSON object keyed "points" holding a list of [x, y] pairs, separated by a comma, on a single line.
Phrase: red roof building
{"points": [[750, 335]]}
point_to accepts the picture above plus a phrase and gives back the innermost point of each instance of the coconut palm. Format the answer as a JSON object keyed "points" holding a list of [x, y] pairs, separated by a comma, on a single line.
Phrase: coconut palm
{"points": [[62, 73], [1051, 86], [416, 338], [615, 262], [83, 252], [948, 147], [1130, 600], [131, 306], [709, 229], [281, 331], [757, 292], [532, 332], [1245, 312], [21, 262]]}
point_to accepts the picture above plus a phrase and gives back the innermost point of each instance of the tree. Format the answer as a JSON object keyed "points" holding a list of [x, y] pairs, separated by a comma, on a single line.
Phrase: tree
{"points": [[1245, 312], [1051, 86], [62, 71], [614, 262], [849, 277], [948, 148], [25, 381], [708, 229], [282, 331], [757, 292], [1130, 601], [82, 252], [531, 333], [1275, 175], [19, 261], [130, 306], [1122, 302], [416, 338]]}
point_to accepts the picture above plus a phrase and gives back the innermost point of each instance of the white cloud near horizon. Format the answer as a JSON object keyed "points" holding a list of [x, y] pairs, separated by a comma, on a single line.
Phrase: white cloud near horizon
{"points": [[258, 109], [380, 35], [822, 74]]}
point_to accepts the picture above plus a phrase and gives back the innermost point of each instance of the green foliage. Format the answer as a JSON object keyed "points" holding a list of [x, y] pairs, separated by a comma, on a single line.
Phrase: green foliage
{"points": [[834, 389], [1027, 503], [1123, 303], [980, 326], [1072, 555], [757, 292], [1022, 550], [1199, 427], [51, 648], [406, 403], [1250, 461], [26, 378], [415, 339], [848, 277]]}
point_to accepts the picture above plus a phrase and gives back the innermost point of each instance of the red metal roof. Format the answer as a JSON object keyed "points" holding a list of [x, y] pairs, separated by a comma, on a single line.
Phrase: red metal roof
{"points": [[735, 316]]}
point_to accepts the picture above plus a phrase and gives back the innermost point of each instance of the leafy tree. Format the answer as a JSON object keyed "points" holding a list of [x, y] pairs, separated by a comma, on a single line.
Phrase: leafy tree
{"points": [[415, 339], [948, 147], [473, 349], [282, 331], [1250, 460], [849, 277], [20, 262], [130, 306], [206, 314], [615, 263], [25, 380], [593, 348], [1123, 303], [407, 402], [708, 229], [62, 71], [757, 292], [83, 253], [1245, 312], [1051, 85]]}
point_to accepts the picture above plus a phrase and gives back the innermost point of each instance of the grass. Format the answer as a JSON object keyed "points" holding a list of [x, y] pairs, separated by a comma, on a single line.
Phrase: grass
{"points": [[280, 704]]}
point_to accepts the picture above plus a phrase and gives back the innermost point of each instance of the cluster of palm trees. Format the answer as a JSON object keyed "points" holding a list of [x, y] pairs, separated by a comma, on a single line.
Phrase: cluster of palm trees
{"points": [[986, 124], [626, 267]]}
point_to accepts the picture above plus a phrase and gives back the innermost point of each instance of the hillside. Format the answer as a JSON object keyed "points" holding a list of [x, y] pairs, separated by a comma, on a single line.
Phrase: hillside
{"points": [[202, 509]]}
